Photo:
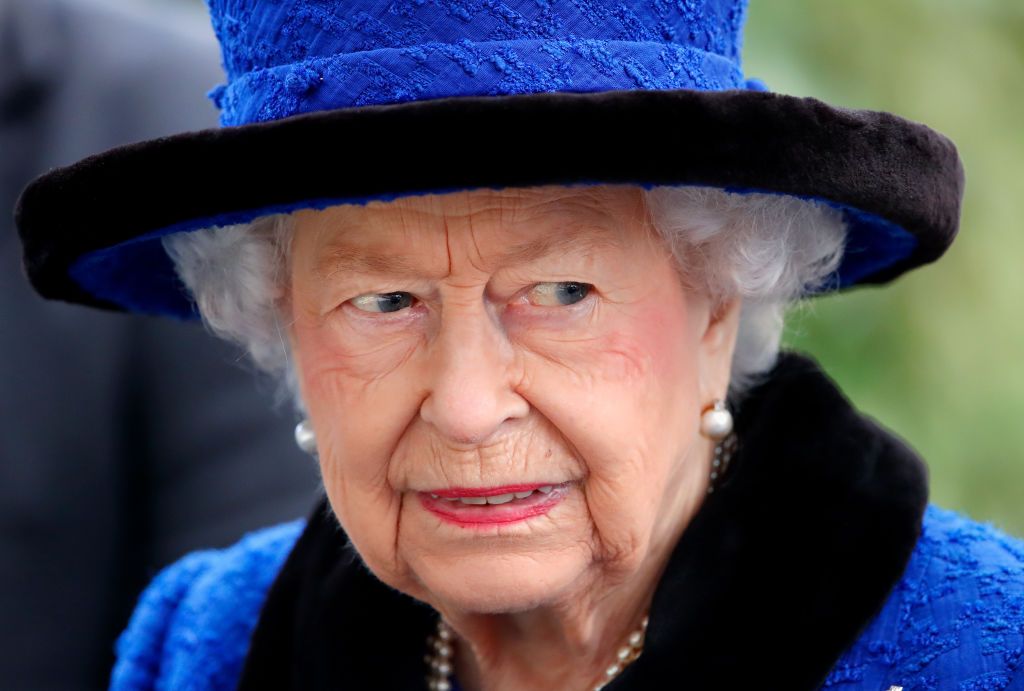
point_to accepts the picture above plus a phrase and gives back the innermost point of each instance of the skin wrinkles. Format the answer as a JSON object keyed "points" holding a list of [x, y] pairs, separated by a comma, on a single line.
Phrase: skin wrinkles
{"points": [[474, 385]]}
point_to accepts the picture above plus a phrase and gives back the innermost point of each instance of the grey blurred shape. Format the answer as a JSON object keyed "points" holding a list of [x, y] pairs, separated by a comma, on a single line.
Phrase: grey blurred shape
{"points": [[124, 441]]}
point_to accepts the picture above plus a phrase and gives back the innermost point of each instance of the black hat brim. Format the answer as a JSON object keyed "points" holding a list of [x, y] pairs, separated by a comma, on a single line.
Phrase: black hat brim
{"points": [[91, 231]]}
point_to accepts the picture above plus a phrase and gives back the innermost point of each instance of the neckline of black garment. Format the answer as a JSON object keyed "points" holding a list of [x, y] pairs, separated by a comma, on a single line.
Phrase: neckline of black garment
{"points": [[772, 580]]}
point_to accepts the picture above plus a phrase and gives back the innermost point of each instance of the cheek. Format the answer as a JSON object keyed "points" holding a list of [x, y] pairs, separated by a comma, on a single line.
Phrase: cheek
{"points": [[639, 388], [351, 401], [626, 400], [635, 371], [359, 417], [656, 333], [354, 383]]}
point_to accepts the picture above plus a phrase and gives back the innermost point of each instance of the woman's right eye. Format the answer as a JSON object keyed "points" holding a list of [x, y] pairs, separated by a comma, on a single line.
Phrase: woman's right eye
{"points": [[382, 302]]}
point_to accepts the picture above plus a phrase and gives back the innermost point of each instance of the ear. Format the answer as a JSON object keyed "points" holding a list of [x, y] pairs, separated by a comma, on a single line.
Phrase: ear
{"points": [[717, 344]]}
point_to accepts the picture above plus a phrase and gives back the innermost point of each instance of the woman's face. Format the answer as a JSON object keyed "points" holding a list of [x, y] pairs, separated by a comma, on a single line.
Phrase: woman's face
{"points": [[457, 349]]}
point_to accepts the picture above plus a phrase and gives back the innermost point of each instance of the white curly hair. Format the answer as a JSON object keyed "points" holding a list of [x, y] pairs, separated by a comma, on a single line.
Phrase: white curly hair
{"points": [[770, 250]]}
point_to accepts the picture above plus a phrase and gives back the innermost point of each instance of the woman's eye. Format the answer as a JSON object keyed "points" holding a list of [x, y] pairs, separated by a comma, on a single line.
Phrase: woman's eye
{"points": [[558, 294], [382, 302]]}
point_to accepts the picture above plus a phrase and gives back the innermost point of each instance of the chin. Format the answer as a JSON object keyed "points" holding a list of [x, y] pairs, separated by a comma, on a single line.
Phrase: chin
{"points": [[501, 583]]}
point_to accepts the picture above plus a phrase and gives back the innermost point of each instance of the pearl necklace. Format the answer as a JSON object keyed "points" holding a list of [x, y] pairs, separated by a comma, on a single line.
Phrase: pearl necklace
{"points": [[440, 667]]}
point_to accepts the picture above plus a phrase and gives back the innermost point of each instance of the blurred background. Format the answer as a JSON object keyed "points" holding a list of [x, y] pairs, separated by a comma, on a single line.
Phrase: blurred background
{"points": [[937, 356], [125, 442]]}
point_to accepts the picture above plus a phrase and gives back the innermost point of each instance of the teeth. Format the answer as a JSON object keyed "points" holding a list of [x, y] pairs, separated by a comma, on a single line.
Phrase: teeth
{"points": [[497, 499]]}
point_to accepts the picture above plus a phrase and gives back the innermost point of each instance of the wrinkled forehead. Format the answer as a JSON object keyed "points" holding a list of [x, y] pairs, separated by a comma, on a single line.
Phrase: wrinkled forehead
{"points": [[515, 225]]}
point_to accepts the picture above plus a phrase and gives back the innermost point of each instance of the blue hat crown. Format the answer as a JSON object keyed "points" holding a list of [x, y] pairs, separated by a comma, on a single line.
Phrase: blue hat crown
{"points": [[287, 57]]}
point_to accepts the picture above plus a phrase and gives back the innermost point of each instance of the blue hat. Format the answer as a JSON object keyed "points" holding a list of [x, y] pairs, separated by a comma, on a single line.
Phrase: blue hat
{"points": [[347, 101]]}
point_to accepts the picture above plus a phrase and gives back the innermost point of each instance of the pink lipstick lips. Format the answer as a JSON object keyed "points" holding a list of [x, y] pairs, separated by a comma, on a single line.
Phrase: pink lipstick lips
{"points": [[482, 506]]}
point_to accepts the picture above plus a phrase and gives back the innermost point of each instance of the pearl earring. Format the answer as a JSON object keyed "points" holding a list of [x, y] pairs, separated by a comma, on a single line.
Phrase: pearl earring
{"points": [[305, 437], [716, 421], [716, 424]]}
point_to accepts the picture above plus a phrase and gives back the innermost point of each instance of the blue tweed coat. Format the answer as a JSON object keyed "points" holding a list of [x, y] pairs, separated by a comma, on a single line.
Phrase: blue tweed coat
{"points": [[843, 580]]}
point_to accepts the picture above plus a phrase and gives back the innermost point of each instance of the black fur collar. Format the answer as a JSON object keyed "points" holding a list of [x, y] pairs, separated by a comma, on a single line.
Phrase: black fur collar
{"points": [[776, 575]]}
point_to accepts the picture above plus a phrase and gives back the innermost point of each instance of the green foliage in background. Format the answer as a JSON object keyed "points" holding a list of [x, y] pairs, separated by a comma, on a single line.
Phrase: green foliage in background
{"points": [[937, 356]]}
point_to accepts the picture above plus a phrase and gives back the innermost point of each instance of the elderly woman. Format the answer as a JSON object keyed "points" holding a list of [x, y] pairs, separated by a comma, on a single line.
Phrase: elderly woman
{"points": [[534, 335]]}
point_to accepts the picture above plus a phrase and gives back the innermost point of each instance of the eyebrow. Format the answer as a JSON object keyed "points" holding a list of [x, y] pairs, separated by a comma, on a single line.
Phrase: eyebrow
{"points": [[558, 243], [347, 259], [344, 259]]}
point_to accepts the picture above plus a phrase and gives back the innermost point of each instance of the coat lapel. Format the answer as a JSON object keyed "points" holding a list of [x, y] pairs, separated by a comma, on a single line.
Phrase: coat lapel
{"points": [[774, 578]]}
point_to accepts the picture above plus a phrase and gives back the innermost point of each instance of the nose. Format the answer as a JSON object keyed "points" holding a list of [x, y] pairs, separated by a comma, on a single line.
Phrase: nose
{"points": [[472, 378]]}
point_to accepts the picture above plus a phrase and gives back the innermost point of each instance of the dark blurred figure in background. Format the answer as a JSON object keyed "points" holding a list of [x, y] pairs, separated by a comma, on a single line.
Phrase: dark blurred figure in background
{"points": [[121, 440]]}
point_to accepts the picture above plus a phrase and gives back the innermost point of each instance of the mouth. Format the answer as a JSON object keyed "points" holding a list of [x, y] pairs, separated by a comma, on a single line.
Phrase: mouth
{"points": [[493, 505]]}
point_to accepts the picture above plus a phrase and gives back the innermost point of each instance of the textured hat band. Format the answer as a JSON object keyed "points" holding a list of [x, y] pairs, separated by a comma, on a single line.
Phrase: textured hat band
{"points": [[288, 57], [441, 70]]}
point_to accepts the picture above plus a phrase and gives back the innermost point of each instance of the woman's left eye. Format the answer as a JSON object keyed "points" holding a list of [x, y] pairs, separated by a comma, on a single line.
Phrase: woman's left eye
{"points": [[558, 294], [382, 302]]}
